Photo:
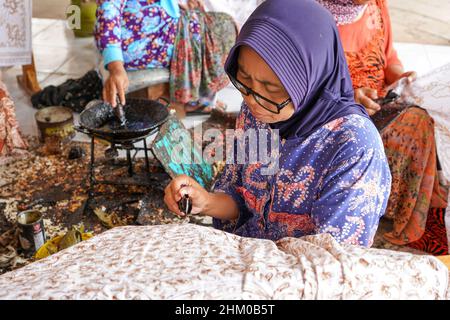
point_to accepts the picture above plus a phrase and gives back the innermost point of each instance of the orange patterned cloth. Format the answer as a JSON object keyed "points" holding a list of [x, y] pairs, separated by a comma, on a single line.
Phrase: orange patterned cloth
{"points": [[11, 142], [411, 151], [409, 140], [434, 240]]}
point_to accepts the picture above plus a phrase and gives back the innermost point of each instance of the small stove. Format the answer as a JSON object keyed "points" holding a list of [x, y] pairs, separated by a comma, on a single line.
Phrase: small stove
{"points": [[144, 119], [145, 179]]}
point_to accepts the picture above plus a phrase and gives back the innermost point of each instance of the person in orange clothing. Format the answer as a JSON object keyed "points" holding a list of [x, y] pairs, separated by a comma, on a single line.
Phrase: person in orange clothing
{"points": [[12, 144], [417, 202]]}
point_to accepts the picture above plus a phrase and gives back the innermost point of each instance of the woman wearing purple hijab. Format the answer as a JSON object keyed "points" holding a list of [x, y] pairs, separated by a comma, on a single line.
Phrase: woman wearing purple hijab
{"points": [[333, 175]]}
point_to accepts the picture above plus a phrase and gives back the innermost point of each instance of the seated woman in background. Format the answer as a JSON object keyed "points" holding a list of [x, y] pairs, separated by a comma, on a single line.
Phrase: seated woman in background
{"points": [[417, 199], [137, 35], [333, 175]]}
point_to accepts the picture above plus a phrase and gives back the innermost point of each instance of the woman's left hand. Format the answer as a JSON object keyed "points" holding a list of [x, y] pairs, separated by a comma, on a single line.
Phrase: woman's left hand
{"points": [[366, 97], [410, 75]]}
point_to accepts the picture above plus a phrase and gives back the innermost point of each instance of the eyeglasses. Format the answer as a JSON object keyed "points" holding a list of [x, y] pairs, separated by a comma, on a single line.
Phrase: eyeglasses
{"points": [[267, 104]]}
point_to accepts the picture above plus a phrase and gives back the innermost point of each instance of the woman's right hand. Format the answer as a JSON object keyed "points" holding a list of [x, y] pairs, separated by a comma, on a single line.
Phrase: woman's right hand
{"points": [[181, 186], [116, 84], [366, 97]]}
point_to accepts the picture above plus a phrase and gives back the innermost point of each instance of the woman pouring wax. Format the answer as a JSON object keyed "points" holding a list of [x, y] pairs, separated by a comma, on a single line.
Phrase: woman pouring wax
{"points": [[332, 174], [180, 36]]}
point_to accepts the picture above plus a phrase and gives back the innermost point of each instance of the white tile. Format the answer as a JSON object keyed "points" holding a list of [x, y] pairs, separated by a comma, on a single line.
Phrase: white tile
{"points": [[422, 58], [407, 46], [10, 80], [49, 59], [59, 35], [412, 63], [42, 76], [54, 37], [79, 62], [25, 116], [22, 101], [438, 55], [436, 48], [54, 79], [39, 25], [413, 57], [438, 59]]}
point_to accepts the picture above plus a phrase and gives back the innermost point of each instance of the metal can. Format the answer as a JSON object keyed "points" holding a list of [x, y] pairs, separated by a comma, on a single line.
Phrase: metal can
{"points": [[32, 233], [55, 122]]}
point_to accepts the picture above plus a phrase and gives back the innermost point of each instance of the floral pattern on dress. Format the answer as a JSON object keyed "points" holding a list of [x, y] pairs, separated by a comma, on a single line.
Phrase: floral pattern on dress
{"points": [[143, 30], [201, 48], [341, 188]]}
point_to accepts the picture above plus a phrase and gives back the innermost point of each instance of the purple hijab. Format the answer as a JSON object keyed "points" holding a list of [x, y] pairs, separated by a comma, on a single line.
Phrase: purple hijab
{"points": [[298, 39]]}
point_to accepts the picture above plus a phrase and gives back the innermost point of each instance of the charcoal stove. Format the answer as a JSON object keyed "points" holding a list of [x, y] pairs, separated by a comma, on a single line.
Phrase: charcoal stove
{"points": [[144, 118]]}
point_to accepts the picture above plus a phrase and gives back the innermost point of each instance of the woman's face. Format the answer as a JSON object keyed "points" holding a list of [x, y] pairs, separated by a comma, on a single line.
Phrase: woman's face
{"points": [[256, 74]]}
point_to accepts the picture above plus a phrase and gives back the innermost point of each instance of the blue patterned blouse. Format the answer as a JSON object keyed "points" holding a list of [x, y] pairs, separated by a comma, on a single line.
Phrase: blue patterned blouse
{"points": [[337, 180]]}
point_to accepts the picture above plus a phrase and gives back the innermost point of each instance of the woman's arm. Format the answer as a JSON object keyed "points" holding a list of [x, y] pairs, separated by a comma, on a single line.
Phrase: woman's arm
{"points": [[221, 206], [392, 73], [394, 68], [109, 41]]}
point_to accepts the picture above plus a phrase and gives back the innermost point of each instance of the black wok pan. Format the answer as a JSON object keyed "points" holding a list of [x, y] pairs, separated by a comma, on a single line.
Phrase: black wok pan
{"points": [[142, 118]]}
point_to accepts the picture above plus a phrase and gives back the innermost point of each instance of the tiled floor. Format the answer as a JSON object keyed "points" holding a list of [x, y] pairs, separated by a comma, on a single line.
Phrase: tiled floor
{"points": [[420, 21], [60, 56]]}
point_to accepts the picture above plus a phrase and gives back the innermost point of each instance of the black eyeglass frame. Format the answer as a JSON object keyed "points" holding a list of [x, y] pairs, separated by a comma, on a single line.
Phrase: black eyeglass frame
{"points": [[256, 95]]}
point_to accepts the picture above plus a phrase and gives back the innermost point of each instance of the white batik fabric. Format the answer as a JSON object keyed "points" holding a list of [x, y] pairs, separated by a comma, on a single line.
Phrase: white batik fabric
{"points": [[194, 262]]}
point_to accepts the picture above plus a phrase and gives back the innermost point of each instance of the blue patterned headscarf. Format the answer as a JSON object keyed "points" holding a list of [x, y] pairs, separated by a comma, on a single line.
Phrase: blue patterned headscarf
{"points": [[299, 40]]}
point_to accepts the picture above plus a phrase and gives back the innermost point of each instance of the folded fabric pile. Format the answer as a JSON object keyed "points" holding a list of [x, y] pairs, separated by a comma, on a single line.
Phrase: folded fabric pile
{"points": [[74, 93]]}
